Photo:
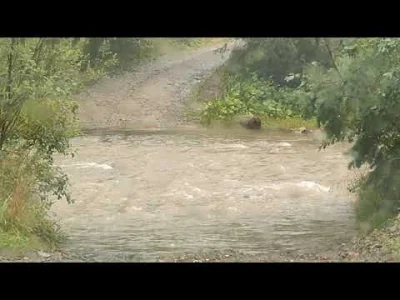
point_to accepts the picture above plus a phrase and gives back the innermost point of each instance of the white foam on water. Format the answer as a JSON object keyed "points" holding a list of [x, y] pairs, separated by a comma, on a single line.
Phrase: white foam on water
{"points": [[276, 187], [314, 186], [240, 146], [134, 208], [233, 146], [309, 185], [89, 165], [284, 144]]}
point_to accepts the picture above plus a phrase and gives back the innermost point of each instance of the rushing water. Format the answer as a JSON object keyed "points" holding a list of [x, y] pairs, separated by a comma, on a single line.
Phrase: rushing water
{"points": [[143, 195]]}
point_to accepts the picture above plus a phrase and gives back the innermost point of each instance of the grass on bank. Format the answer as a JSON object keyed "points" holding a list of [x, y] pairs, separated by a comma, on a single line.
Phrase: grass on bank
{"points": [[20, 243], [30, 228], [382, 243], [25, 223], [373, 209], [268, 123]]}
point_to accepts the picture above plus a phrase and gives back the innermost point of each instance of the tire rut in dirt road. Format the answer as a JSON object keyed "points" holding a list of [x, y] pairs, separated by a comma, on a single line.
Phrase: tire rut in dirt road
{"points": [[153, 96]]}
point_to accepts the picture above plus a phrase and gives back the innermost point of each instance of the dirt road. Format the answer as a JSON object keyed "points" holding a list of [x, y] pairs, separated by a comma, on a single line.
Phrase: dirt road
{"points": [[153, 96]]}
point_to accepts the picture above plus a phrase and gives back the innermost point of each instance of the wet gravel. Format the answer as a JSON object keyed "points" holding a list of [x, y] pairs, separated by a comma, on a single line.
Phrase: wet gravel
{"points": [[366, 249]]}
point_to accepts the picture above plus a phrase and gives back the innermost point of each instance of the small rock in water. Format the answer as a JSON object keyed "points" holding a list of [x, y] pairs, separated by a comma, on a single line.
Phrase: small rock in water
{"points": [[250, 122], [305, 131]]}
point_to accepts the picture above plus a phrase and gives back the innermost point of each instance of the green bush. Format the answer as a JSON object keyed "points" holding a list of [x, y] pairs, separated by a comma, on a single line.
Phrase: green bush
{"points": [[253, 96]]}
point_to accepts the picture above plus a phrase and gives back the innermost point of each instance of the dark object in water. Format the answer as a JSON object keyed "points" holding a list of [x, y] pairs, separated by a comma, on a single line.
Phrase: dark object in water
{"points": [[305, 131], [250, 122], [302, 130]]}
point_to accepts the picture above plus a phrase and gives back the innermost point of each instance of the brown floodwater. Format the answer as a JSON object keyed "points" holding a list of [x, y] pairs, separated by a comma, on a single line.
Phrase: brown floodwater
{"points": [[142, 195]]}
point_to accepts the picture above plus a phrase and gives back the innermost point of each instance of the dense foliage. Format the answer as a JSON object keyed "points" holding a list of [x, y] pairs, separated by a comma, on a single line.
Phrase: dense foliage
{"points": [[275, 58]]}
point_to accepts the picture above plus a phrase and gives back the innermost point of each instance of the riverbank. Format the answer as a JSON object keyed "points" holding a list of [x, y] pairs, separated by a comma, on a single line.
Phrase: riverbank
{"points": [[382, 245]]}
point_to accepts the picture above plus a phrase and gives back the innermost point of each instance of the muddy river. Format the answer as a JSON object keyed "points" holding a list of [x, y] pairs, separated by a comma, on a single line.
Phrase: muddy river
{"points": [[141, 196]]}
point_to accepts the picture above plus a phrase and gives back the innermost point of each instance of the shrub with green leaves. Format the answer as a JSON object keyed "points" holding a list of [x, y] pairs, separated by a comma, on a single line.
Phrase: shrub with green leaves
{"points": [[253, 96]]}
